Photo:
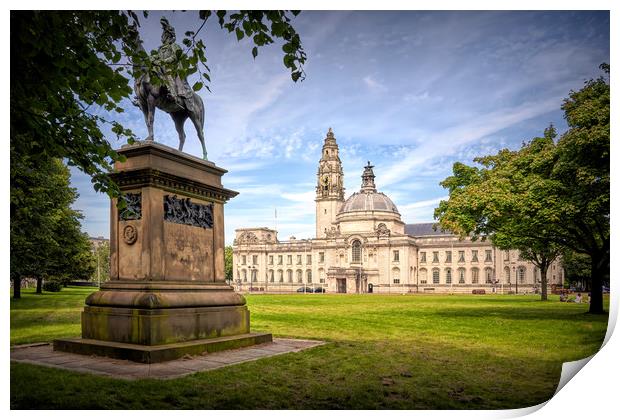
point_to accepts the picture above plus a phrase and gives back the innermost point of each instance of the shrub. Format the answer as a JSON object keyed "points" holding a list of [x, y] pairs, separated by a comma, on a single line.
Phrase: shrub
{"points": [[52, 286]]}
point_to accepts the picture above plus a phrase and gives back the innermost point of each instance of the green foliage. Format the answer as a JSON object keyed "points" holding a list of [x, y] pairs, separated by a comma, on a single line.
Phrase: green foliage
{"points": [[63, 63], [545, 197], [506, 200], [101, 274], [52, 286], [228, 263], [577, 267], [46, 240], [398, 352], [67, 66], [261, 26]]}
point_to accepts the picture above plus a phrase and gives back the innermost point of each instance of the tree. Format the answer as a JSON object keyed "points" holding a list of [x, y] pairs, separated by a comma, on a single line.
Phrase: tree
{"points": [[73, 258], [32, 209], [68, 65], [228, 263], [577, 267], [45, 235], [504, 201], [547, 195], [583, 173]]}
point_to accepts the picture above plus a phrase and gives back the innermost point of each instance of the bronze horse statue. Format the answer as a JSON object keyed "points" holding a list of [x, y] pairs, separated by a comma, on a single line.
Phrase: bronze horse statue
{"points": [[150, 96]]}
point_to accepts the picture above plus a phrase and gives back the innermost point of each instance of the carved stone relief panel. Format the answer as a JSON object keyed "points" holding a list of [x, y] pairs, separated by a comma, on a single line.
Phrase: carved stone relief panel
{"points": [[133, 209], [183, 211]]}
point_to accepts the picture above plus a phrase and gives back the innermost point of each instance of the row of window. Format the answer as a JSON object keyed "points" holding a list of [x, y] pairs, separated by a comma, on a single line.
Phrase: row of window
{"points": [[488, 257], [271, 276], [474, 278], [289, 259], [356, 252], [520, 275], [460, 278]]}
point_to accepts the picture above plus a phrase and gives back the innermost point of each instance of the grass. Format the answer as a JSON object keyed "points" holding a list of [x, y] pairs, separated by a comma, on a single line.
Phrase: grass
{"points": [[396, 352]]}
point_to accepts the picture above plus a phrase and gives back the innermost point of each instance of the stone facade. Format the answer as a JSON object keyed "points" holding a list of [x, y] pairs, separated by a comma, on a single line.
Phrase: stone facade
{"points": [[363, 246]]}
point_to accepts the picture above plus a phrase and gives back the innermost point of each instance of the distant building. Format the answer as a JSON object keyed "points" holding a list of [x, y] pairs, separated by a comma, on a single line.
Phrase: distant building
{"points": [[98, 241], [363, 246]]}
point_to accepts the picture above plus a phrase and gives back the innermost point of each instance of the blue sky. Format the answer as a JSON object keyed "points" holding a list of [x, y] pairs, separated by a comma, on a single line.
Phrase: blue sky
{"points": [[413, 92]]}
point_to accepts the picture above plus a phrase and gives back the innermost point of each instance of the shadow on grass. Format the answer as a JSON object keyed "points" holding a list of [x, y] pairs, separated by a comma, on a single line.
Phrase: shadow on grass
{"points": [[444, 353], [546, 311], [340, 375]]}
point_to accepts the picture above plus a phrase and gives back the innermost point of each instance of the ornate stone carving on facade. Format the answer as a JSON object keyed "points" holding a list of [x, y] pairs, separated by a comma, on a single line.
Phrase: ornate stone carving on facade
{"points": [[329, 183], [130, 234], [183, 211], [269, 238], [351, 238], [333, 232], [382, 230], [246, 238], [133, 210]]}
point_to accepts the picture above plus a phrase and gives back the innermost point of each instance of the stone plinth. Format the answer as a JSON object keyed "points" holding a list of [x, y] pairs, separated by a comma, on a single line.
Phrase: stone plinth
{"points": [[167, 284]]}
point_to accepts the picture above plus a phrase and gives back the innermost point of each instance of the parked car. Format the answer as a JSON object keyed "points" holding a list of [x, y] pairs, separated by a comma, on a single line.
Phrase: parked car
{"points": [[319, 290], [304, 289]]}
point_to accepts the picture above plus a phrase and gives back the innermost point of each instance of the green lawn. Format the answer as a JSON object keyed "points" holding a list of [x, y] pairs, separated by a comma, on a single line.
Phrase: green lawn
{"points": [[398, 352]]}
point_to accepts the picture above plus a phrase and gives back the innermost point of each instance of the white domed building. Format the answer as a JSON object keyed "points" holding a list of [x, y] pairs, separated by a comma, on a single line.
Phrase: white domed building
{"points": [[363, 246]]}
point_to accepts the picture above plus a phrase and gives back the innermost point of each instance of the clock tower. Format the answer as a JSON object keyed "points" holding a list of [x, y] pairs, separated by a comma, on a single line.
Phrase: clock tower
{"points": [[329, 188]]}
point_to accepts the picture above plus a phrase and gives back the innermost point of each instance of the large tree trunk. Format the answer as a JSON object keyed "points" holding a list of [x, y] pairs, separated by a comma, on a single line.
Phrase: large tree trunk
{"points": [[17, 287], [543, 281], [39, 285], [596, 293]]}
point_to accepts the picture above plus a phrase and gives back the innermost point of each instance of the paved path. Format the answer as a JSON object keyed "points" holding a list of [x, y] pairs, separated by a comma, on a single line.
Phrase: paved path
{"points": [[43, 354]]}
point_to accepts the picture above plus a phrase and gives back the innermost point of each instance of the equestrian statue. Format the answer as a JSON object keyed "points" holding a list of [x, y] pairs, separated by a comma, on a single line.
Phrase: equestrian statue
{"points": [[174, 95]]}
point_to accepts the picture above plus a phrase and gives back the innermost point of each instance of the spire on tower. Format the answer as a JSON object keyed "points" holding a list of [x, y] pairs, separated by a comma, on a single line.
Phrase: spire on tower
{"points": [[330, 139], [368, 179]]}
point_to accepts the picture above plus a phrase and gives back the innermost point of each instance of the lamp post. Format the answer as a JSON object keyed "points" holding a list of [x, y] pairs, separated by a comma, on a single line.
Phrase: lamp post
{"points": [[95, 249], [98, 268]]}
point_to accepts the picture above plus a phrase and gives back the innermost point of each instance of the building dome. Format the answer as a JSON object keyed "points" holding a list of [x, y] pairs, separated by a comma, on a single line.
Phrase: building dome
{"points": [[368, 199]]}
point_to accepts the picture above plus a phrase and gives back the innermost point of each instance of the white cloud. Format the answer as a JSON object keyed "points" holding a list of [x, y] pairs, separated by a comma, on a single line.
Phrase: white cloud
{"points": [[420, 211], [424, 203], [457, 83], [423, 96], [447, 141], [302, 197], [242, 165], [239, 179], [373, 84]]}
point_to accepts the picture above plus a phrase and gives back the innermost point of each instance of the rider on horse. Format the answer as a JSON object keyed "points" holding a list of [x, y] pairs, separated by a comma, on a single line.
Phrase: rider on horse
{"points": [[175, 97], [165, 59]]}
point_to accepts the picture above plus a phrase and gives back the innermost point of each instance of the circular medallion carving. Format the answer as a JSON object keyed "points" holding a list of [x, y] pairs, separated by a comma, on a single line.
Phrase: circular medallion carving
{"points": [[130, 234]]}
